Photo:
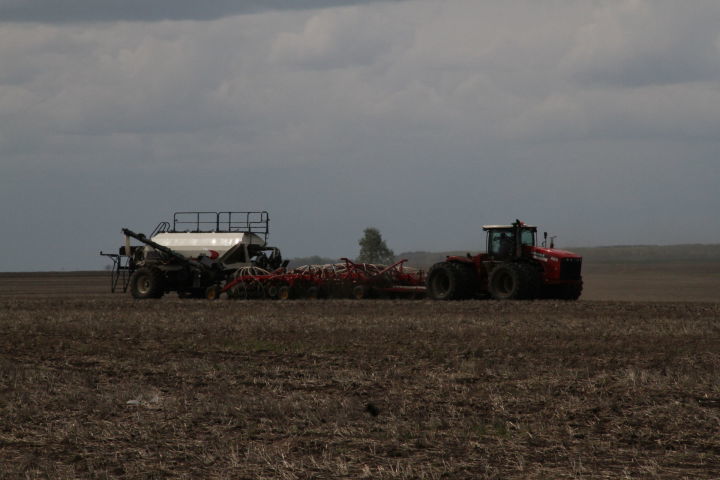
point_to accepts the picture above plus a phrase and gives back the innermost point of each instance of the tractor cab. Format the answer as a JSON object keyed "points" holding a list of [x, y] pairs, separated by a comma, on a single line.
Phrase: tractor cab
{"points": [[505, 242]]}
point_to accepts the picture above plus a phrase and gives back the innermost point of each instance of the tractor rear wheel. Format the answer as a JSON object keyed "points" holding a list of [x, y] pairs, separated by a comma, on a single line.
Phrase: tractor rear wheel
{"points": [[450, 281], [513, 281], [147, 283]]}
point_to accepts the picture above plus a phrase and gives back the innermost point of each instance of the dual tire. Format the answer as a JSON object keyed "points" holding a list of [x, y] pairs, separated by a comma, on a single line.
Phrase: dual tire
{"points": [[451, 281], [507, 281], [514, 281]]}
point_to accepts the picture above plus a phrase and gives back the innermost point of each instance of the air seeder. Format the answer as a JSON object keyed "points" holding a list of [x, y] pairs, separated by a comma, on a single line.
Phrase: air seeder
{"points": [[197, 251], [209, 254]]}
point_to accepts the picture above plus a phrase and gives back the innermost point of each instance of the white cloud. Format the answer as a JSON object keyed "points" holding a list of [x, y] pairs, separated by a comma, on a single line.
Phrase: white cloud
{"points": [[335, 39]]}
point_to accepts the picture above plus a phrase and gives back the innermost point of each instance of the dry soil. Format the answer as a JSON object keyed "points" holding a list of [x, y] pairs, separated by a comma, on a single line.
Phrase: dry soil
{"points": [[94, 385]]}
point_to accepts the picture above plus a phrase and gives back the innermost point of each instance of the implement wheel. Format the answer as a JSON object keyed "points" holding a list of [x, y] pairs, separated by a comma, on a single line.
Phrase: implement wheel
{"points": [[312, 293], [359, 292], [213, 293], [284, 292], [272, 291], [147, 283]]}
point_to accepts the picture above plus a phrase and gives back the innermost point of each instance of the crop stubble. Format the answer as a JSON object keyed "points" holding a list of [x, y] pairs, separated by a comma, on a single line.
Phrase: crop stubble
{"points": [[103, 386]]}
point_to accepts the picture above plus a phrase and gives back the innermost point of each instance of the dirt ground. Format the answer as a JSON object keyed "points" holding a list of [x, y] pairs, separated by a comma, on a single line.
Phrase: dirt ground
{"points": [[622, 384]]}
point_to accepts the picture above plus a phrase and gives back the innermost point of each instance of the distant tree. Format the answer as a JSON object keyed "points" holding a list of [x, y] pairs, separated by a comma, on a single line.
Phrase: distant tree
{"points": [[313, 260], [373, 248]]}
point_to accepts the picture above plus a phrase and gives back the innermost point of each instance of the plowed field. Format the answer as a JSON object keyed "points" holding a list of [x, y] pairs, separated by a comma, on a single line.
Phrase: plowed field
{"points": [[94, 385]]}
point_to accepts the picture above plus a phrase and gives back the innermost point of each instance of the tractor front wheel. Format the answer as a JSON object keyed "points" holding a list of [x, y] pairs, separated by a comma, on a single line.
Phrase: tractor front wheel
{"points": [[513, 281], [571, 292], [146, 283]]}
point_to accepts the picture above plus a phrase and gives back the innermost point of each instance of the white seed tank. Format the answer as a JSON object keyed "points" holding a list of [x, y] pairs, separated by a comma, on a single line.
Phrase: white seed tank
{"points": [[212, 234], [211, 244]]}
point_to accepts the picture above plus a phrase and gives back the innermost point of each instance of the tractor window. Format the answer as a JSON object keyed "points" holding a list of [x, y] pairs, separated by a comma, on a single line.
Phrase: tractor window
{"points": [[500, 242], [527, 237]]}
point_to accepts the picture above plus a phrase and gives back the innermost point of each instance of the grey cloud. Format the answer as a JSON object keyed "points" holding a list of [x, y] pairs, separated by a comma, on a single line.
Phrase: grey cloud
{"points": [[425, 119], [690, 62], [634, 45], [73, 11]]}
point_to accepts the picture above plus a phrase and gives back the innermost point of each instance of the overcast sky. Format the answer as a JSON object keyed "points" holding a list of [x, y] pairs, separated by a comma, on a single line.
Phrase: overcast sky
{"points": [[597, 121]]}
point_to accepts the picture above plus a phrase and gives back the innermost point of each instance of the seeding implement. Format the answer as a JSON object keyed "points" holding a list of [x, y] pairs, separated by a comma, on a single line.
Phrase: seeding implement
{"points": [[340, 280], [208, 254]]}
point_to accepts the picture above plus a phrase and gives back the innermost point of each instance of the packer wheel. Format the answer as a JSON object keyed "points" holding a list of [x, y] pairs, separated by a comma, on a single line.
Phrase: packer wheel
{"points": [[212, 293]]}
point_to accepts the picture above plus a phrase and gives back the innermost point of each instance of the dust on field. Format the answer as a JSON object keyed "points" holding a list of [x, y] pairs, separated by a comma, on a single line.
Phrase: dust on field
{"points": [[108, 387], [54, 284], [651, 282]]}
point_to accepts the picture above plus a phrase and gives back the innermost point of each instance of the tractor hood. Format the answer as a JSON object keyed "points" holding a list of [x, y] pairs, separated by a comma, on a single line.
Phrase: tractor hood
{"points": [[543, 254], [558, 265]]}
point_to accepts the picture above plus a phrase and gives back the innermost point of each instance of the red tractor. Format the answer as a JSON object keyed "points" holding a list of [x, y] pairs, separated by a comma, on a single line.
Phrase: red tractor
{"points": [[514, 267]]}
